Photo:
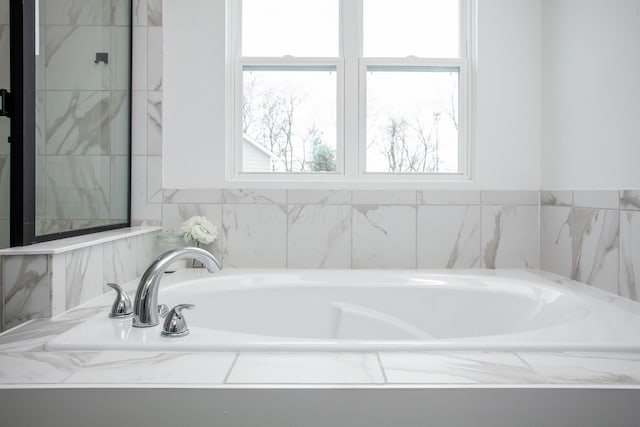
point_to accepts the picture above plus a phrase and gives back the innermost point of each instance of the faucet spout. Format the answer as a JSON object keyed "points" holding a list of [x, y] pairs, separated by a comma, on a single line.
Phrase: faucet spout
{"points": [[145, 305]]}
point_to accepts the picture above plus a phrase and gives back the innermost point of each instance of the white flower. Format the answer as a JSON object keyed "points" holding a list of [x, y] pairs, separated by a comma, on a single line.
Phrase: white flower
{"points": [[200, 229]]}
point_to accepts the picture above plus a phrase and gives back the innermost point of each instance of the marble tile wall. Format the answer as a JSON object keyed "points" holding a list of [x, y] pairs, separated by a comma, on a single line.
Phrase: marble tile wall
{"points": [[83, 113], [37, 286], [593, 237]]}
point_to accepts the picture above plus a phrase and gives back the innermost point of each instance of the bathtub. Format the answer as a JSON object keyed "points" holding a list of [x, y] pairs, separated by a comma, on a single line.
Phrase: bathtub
{"points": [[369, 310]]}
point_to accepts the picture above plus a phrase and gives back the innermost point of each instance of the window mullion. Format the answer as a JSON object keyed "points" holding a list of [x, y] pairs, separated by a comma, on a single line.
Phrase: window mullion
{"points": [[351, 51]]}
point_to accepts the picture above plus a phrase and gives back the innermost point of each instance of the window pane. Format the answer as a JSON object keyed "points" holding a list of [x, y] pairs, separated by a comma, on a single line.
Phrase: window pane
{"points": [[289, 119], [290, 27], [412, 120], [400, 28]]}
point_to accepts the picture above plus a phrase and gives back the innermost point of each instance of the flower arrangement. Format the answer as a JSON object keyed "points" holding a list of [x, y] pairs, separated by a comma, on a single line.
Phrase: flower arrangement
{"points": [[200, 230]]}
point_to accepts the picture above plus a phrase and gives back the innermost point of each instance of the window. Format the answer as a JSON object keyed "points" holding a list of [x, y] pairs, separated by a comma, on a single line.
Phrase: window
{"points": [[349, 89]]}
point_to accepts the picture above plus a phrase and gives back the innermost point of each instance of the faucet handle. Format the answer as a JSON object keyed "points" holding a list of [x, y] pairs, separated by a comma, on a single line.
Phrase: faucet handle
{"points": [[121, 306], [163, 310], [175, 325]]}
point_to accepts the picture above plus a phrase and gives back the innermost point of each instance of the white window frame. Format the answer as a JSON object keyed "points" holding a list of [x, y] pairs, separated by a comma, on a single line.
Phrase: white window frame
{"points": [[351, 68]]}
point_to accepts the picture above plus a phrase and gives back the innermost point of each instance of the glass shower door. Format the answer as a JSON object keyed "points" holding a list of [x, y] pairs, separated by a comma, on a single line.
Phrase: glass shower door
{"points": [[4, 126]]}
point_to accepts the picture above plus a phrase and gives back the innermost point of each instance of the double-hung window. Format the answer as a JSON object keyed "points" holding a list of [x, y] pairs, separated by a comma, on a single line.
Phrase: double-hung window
{"points": [[349, 89]]}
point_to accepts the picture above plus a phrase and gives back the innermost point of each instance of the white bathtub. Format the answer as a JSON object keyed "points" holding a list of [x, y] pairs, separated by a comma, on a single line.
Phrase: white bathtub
{"points": [[367, 310]]}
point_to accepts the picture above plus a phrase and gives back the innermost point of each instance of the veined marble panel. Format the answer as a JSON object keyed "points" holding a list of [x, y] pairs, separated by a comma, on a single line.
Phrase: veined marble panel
{"points": [[41, 122], [173, 215], [595, 238], [140, 12], [119, 262], [555, 239], [84, 275], [256, 196], [511, 198], [139, 123], [384, 236], [40, 367], [154, 179], [447, 198], [86, 12], [70, 54], [319, 197], [146, 251], [4, 239], [254, 235], [79, 186], [117, 209], [448, 236], [319, 236], [384, 197], [154, 58], [142, 212], [556, 198], [154, 123], [139, 57], [154, 15], [86, 123], [596, 199], [630, 200], [510, 237], [192, 195], [25, 289], [630, 255]]}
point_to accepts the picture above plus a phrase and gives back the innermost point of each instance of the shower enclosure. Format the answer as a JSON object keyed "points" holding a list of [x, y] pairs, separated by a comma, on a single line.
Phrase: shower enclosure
{"points": [[69, 107]]}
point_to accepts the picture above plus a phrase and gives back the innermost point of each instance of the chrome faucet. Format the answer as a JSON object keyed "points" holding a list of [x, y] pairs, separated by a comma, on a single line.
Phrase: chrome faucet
{"points": [[145, 305]]}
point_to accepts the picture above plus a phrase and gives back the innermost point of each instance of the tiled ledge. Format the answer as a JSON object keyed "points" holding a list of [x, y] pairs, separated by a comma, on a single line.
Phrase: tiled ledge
{"points": [[78, 242]]}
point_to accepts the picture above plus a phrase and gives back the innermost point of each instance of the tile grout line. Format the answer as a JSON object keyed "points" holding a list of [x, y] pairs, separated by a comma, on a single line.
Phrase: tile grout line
{"points": [[233, 365]]}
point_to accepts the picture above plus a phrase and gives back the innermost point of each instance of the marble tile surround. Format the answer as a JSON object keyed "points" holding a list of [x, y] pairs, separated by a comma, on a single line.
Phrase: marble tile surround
{"points": [[593, 237]]}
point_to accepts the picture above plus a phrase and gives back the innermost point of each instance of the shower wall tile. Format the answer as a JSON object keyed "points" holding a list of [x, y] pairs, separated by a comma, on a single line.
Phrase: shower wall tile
{"points": [[630, 200], [254, 235], [192, 195], [139, 56], [556, 198], [119, 57], [83, 276], [511, 198], [555, 239], [154, 15], [154, 123], [233, 195], [78, 12], [117, 208], [139, 13], [384, 236], [510, 237], [4, 13], [4, 239], [4, 186], [41, 122], [598, 199], [384, 197], [146, 251], [630, 255], [447, 198], [143, 212], [319, 197], [154, 58], [25, 289], [139, 123], [448, 236], [595, 239], [79, 123], [319, 236], [64, 45], [154, 179]]}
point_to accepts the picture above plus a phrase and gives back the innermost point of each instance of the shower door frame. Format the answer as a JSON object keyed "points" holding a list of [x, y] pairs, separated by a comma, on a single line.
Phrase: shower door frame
{"points": [[22, 216]]}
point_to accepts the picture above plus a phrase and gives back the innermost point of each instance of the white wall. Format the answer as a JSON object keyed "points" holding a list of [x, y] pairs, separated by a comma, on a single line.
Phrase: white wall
{"points": [[591, 94], [507, 131]]}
